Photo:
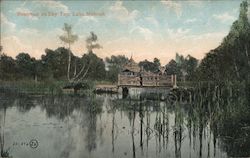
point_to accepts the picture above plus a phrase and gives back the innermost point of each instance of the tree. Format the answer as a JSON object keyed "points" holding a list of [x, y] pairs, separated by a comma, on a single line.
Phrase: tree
{"points": [[1, 49], [173, 69], [115, 65], [208, 69], [26, 65], [68, 38], [231, 59], [179, 59], [190, 65], [157, 62], [96, 66], [148, 66], [91, 42], [55, 62], [183, 67], [7, 67]]}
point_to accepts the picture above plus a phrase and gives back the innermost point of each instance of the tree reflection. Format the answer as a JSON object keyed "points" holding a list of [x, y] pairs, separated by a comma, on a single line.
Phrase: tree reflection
{"points": [[178, 129], [224, 108], [5, 153], [133, 132], [60, 107], [91, 109], [25, 103]]}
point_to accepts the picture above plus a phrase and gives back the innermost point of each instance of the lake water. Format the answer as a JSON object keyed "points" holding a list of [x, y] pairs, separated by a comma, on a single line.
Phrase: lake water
{"points": [[104, 126]]}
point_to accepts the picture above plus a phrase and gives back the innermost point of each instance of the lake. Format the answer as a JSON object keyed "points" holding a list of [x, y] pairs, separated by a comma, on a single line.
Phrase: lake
{"points": [[106, 126]]}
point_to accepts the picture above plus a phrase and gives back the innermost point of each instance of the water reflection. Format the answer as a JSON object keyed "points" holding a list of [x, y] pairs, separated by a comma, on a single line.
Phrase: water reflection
{"points": [[106, 126], [5, 151]]}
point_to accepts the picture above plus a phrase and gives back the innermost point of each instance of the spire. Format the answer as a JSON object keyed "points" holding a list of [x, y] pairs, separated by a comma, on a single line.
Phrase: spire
{"points": [[131, 58]]}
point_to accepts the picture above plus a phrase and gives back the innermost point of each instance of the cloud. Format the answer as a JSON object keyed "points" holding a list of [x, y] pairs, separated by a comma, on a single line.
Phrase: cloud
{"points": [[53, 5], [121, 13], [5, 23], [195, 3], [32, 41], [13, 45], [225, 17], [145, 32], [207, 41], [177, 34], [210, 35], [86, 19], [152, 21], [174, 6], [21, 9], [188, 21], [29, 32]]}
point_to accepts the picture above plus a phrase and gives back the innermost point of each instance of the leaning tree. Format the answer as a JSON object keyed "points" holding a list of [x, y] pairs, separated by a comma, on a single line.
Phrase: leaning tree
{"points": [[91, 43], [68, 38]]}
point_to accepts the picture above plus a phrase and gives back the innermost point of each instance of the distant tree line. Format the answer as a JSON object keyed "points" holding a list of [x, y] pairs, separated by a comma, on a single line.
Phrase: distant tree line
{"points": [[54, 63]]}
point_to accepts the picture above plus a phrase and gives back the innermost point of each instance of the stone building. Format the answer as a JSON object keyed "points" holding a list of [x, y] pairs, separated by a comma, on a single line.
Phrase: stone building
{"points": [[133, 75]]}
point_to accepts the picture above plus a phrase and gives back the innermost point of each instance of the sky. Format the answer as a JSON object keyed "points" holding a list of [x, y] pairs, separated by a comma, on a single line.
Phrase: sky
{"points": [[143, 29]]}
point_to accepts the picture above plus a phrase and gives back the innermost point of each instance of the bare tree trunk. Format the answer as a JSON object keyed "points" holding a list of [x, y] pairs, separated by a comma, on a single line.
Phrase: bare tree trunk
{"points": [[85, 73], [69, 63], [79, 73], [76, 75], [248, 61], [236, 69], [75, 69], [36, 78]]}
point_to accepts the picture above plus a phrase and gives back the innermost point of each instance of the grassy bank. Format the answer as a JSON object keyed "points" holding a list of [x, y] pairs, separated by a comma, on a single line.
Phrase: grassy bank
{"points": [[31, 87], [52, 87]]}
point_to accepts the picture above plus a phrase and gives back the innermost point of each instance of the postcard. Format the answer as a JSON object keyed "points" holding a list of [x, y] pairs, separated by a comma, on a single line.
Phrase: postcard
{"points": [[124, 79]]}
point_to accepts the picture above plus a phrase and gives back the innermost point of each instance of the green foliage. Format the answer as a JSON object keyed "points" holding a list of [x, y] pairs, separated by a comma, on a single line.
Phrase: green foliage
{"points": [[231, 60], [55, 62], [172, 68], [26, 66], [184, 68], [1, 49], [157, 62], [68, 37], [96, 66], [150, 66], [190, 67], [91, 42], [7, 68], [115, 64]]}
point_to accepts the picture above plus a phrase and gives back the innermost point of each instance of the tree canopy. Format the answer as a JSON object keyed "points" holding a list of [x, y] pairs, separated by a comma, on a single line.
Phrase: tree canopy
{"points": [[231, 59]]}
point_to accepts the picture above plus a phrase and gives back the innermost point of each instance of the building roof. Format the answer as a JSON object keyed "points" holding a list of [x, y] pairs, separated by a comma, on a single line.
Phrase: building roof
{"points": [[132, 66]]}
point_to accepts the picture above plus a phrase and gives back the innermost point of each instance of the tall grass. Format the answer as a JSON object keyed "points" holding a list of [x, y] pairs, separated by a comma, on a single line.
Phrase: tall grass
{"points": [[31, 87]]}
